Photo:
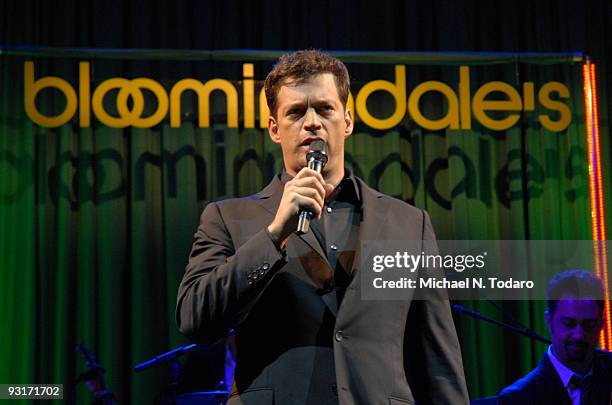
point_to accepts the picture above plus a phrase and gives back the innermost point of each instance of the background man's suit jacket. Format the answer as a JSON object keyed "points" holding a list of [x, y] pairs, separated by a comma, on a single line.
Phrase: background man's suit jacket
{"points": [[544, 386], [294, 345]]}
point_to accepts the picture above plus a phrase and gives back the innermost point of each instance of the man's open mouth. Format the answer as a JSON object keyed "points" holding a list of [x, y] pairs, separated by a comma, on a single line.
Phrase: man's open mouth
{"points": [[310, 140]]}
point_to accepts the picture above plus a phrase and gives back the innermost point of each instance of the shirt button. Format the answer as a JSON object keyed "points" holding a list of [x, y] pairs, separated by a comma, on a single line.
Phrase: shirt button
{"points": [[339, 336], [329, 209], [333, 247]]}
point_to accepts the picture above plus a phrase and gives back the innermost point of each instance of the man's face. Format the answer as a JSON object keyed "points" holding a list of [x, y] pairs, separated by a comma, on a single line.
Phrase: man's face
{"points": [[574, 328], [306, 112]]}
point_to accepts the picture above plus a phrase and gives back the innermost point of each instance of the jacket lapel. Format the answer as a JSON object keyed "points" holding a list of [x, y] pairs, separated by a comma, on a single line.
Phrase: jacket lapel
{"points": [[305, 248], [373, 223], [551, 386], [314, 244], [270, 198]]}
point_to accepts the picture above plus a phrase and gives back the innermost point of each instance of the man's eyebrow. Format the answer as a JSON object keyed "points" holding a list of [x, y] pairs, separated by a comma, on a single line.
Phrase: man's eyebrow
{"points": [[302, 103], [569, 318], [323, 101], [293, 104]]}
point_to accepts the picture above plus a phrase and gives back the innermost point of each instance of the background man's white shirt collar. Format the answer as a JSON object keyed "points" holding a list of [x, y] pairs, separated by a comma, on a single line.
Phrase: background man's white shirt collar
{"points": [[566, 375]]}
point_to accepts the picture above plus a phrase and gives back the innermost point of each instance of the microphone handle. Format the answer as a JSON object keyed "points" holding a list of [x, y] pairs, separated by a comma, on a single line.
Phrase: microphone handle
{"points": [[305, 216]]}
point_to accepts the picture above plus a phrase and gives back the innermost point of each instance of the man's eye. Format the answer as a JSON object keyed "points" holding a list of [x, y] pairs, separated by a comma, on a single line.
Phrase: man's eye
{"points": [[569, 324]]}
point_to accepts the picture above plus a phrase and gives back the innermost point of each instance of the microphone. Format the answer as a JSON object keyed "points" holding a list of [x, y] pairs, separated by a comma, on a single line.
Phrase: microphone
{"points": [[317, 158]]}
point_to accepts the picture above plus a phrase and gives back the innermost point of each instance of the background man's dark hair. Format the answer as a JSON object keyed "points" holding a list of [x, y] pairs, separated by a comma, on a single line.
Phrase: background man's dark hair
{"points": [[577, 283], [298, 67]]}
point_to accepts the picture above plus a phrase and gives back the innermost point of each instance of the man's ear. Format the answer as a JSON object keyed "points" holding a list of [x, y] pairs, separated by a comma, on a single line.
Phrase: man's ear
{"points": [[273, 130], [548, 318], [348, 122]]}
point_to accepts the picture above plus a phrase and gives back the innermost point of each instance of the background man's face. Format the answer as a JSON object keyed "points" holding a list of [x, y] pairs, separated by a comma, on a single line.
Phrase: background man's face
{"points": [[308, 111], [574, 328]]}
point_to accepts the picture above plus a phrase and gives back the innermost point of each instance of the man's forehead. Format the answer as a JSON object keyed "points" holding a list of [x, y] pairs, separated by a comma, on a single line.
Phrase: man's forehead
{"points": [[322, 84], [316, 88], [571, 306], [293, 81]]}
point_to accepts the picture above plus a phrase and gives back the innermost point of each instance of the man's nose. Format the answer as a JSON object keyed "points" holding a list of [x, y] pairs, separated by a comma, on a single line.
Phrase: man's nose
{"points": [[311, 121], [578, 332]]}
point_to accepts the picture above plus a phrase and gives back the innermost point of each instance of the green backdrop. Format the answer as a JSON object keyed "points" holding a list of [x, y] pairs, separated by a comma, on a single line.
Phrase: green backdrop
{"points": [[97, 222]]}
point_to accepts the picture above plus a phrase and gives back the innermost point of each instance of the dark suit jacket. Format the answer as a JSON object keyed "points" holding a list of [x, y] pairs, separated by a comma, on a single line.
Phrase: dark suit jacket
{"points": [[294, 346], [543, 385]]}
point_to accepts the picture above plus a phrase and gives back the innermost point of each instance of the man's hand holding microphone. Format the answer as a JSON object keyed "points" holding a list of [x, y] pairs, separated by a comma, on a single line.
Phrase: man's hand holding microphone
{"points": [[303, 197]]}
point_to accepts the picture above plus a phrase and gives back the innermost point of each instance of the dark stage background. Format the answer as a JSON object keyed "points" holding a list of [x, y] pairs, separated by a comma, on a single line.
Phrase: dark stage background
{"points": [[94, 253]]}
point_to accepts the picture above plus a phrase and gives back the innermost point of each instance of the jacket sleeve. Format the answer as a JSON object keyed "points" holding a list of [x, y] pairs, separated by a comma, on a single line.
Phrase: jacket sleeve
{"points": [[432, 355], [221, 282]]}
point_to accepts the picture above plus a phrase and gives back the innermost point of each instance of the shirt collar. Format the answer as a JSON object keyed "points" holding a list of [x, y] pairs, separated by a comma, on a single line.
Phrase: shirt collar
{"points": [[564, 372]]}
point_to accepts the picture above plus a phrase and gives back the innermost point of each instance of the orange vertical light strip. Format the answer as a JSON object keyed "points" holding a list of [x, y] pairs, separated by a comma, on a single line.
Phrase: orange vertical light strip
{"points": [[598, 176], [596, 195], [601, 213], [588, 108]]}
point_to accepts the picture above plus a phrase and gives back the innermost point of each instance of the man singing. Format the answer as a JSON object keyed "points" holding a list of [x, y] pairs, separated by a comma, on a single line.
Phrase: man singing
{"points": [[303, 334]]}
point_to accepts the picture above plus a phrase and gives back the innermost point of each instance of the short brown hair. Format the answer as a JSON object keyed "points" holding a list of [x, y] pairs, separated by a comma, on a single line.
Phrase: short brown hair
{"points": [[302, 65], [578, 283]]}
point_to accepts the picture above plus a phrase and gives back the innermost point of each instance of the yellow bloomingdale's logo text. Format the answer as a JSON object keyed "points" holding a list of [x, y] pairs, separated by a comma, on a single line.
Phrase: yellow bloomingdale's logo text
{"points": [[461, 104]]}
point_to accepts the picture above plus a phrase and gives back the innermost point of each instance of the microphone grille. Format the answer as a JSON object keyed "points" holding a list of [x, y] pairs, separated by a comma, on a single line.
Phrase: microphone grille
{"points": [[318, 146]]}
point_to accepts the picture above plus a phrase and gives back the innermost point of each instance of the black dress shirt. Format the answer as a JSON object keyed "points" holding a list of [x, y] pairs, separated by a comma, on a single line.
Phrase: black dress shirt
{"points": [[338, 229]]}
